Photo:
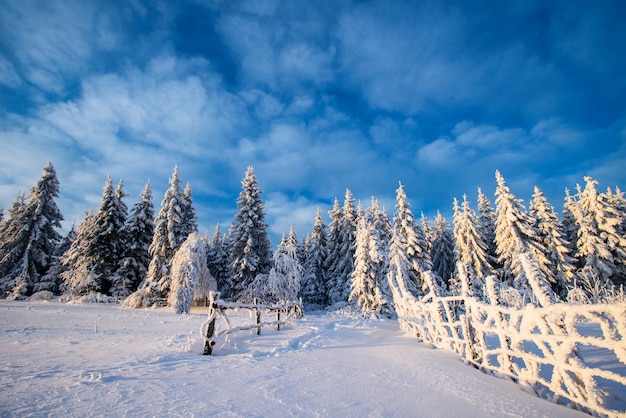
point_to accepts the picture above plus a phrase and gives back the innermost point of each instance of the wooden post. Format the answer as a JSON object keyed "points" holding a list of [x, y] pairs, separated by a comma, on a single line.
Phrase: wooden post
{"points": [[278, 319], [257, 315], [208, 345]]}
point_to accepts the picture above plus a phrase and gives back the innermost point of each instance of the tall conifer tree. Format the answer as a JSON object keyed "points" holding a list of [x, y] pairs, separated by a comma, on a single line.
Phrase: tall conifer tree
{"points": [[29, 237], [250, 245]]}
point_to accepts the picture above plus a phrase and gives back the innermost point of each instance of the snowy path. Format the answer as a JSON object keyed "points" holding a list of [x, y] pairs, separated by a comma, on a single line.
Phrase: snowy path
{"points": [[95, 360]]}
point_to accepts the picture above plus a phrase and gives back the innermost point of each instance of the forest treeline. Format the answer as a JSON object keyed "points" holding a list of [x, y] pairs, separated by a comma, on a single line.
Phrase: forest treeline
{"points": [[115, 252]]}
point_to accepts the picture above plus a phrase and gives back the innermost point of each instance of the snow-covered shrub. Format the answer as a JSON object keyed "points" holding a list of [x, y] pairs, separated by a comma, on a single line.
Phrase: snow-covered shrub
{"points": [[188, 269], [42, 295]]}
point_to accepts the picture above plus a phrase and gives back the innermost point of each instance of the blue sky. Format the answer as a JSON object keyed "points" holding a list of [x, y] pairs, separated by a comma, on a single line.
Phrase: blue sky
{"points": [[318, 96]]}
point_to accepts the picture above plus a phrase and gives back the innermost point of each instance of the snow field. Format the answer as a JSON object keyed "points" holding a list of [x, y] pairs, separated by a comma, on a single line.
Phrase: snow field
{"points": [[100, 360]]}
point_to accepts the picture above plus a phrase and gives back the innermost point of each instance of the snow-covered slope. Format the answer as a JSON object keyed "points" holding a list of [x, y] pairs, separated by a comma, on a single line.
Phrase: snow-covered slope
{"points": [[101, 360]]}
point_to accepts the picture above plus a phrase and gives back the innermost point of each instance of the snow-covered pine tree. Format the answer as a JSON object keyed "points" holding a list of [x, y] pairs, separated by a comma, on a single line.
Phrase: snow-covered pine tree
{"points": [[427, 232], [552, 235], [29, 237], [442, 249], [368, 260], [601, 249], [77, 277], [9, 228], [283, 283], [333, 253], [104, 246], [137, 234], [341, 260], [218, 260], [170, 231], [408, 257], [250, 245], [188, 271], [190, 219], [53, 280], [570, 228], [487, 227], [313, 287], [515, 235], [382, 226], [470, 246]]}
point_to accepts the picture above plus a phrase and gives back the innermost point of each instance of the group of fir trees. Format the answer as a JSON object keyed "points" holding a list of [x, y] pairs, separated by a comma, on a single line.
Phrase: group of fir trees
{"points": [[361, 257]]}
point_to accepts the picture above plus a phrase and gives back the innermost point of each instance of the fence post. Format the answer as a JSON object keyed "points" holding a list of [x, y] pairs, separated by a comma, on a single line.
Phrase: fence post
{"points": [[257, 316], [278, 319], [208, 345]]}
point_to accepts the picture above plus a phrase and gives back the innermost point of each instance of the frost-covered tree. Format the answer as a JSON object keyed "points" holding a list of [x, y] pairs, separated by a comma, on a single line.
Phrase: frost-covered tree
{"points": [[408, 257], [601, 247], [313, 288], [382, 226], [170, 231], [98, 255], [552, 236], [53, 280], [570, 229], [189, 271], [218, 260], [470, 247], [333, 251], [515, 234], [368, 261], [487, 226], [442, 248], [427, 232], [340, 261], [137, 236], [250, 245], [189, 217], [77, 277], [29, 237], [283, 282]]}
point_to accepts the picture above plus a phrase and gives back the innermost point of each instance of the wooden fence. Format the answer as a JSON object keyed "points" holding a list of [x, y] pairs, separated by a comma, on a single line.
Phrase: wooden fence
{"points": [[570, 354], [284, 314]]}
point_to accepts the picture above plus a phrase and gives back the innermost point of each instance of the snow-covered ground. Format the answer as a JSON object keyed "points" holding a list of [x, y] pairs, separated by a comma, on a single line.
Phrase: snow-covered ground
{"points": [[102, 360]]}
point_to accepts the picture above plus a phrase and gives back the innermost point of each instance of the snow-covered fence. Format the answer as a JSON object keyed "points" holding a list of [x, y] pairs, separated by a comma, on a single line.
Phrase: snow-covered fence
{"points": [[570, 354], [218, 308]]}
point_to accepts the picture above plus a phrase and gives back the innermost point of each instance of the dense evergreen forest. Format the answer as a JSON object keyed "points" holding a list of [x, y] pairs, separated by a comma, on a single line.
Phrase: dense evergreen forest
{"points": [[117, 254]]}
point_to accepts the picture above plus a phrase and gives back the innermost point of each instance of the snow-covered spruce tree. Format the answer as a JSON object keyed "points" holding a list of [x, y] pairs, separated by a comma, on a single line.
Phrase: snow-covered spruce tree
{"points": [[382, 226], [77, 277], [53, 280], [313, 287], [104, 246], [552, 235], [189, 271], [487, 227], [137, 235], [515, 234], [250, 245], [408, 257], [442, 249], [29, 237], [368, 260], [340, 261], [470, 246], [190, 219], [170, 231], [601, 249], [570, 228], [218, 260], [427, 232], [283, 282], [333, 251]]}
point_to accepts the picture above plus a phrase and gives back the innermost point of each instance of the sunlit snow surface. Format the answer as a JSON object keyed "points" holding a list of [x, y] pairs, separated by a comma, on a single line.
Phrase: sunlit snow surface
{"points": [[102, 360]]}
